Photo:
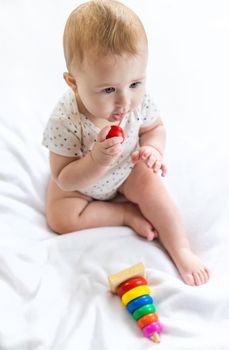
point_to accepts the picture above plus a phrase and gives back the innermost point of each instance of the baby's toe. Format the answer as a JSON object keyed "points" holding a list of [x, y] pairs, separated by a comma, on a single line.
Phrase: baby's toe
{"points": [[205, 274], [150, 235], [201, 277], [197, 278], [189, 279]]}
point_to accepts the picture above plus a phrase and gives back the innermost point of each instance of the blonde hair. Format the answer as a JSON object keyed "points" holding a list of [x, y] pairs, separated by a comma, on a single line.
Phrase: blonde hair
{"points": [[102, 27]]}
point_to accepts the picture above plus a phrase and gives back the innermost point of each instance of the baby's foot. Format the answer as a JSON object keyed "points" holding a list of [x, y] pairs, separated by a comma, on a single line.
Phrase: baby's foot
{"points": [[134, 218], [191, 268]]}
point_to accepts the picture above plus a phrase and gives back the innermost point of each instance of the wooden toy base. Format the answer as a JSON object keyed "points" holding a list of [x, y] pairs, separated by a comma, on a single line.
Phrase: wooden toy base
{"points": [[156, 338], [118, 278]]}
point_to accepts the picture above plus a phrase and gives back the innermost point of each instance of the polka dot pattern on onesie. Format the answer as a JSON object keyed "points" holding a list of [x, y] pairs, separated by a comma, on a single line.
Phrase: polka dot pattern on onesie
{"points": [[70, 133]]}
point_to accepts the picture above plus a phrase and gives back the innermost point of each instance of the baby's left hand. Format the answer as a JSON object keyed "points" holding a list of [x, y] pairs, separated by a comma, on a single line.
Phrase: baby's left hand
{"points": [[151, 157]]}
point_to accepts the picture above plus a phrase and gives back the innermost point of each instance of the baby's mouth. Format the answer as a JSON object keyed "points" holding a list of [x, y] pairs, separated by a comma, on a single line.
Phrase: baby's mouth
{"points": [[117, 116]]}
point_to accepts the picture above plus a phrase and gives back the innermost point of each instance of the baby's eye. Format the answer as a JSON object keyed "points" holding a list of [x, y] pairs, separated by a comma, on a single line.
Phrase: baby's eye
{"points": [[109, 90], [134, 85]]}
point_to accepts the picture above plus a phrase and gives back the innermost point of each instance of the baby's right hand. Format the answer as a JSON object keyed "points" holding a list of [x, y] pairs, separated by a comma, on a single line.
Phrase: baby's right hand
{"points": [[106, 151]]}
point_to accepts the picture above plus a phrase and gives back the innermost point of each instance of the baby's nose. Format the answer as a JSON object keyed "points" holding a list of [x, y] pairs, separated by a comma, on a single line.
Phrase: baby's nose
{"points": [[122, 101]]}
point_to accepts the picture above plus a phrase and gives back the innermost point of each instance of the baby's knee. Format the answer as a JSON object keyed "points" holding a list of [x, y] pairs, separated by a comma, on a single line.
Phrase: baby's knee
{"points": [[61, 223], [142, 174]]}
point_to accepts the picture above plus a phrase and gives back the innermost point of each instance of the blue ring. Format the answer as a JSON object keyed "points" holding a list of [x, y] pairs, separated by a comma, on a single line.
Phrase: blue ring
{"points": [[138, 302]]}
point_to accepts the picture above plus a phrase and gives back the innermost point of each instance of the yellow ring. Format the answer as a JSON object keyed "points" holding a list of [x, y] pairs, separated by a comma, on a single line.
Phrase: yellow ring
{"points": [[135, 293]]}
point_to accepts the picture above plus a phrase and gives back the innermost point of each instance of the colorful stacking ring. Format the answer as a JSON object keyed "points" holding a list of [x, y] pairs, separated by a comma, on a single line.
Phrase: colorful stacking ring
{"points": [[147, 319], [146, 309], [130, 284], [152, 328], [135, 293], [140, 301]]}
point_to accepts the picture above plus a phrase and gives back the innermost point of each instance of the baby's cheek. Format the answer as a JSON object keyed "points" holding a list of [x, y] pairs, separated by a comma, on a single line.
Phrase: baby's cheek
{"points": [[102, 109], [137, 100]]}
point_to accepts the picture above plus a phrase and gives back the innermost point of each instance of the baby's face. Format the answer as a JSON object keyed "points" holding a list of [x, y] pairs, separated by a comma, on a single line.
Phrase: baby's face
{"points": [[111, 86]]}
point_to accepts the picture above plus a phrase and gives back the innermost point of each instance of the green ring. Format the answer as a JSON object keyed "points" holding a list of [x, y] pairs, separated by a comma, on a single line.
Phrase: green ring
{"points": [[143, 310]]}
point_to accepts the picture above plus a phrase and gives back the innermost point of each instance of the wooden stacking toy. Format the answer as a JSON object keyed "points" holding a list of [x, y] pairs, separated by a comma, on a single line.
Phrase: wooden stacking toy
{"points": [[131, 286]]}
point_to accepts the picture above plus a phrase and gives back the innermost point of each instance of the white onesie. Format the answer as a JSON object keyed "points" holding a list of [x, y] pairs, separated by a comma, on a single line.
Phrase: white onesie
{"points": [[70, 133]]}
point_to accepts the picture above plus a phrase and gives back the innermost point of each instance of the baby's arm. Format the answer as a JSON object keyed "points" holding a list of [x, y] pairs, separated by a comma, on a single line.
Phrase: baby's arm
{"points": [[154, 135], [74, 174], [152, 145]]}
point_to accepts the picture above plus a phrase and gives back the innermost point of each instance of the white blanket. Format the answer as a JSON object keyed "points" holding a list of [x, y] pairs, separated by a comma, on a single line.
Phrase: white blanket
{"points": [[54, 293]]}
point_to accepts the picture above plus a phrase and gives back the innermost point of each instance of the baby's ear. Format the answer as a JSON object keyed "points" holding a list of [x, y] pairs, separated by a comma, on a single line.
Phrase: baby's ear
{"points": [[70, 81]]}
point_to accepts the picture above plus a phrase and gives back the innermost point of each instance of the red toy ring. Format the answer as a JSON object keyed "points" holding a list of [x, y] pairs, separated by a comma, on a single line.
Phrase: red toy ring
{"points": [[130, 284]]}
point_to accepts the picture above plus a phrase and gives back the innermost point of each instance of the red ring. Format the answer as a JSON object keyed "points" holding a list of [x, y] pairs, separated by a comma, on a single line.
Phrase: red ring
{"points": [[130, 284]]}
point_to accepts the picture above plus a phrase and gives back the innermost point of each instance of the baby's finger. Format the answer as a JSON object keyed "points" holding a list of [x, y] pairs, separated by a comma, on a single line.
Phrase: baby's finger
{"points": [[157, 166], [115, 149], [151, 161], [112, 141], [143, 154], [103, 133], [164, 169], [135, 157]]}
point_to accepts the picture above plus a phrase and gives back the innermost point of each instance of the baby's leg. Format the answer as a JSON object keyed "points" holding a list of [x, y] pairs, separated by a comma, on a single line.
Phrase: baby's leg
{"points": [[71, 211], [146, 189]]}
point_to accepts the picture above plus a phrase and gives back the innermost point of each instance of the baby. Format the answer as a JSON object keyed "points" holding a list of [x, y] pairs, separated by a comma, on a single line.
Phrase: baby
{"points": [[105, 47]]}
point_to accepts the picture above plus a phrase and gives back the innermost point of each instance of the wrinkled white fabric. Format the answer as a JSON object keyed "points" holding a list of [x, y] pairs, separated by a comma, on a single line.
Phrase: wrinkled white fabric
{"points": [[53, 289]]}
